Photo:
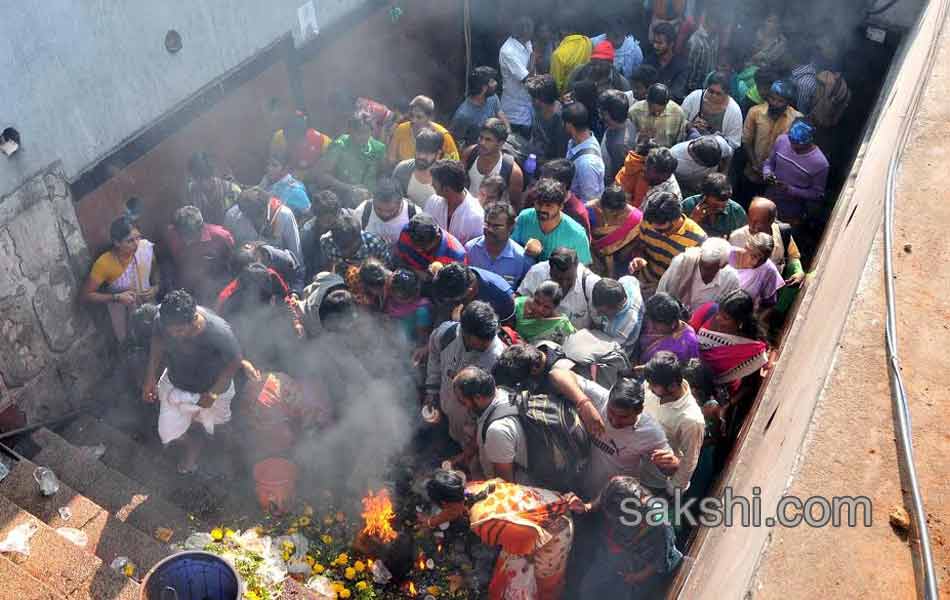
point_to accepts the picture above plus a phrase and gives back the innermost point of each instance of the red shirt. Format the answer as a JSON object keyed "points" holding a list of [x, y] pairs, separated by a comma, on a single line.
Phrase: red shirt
{"points": [[577, 210], [201, 267]]}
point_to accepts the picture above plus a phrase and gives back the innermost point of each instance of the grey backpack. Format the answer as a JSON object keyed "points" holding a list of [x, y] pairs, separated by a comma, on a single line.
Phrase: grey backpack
{"points": [[596, 357]]}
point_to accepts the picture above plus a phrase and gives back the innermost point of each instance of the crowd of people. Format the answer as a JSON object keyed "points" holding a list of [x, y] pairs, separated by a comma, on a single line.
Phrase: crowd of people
{"points": [[585, 276]]}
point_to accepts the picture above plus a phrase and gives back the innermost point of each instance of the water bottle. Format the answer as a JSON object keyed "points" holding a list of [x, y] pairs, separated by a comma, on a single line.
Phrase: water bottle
{"points": [[530, 165]]}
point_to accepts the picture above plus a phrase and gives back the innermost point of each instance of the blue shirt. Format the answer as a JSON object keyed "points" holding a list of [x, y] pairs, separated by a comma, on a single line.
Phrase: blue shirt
{"points": [[495, 291], [511, 264], [292, 193], [627, 57], [468, 119], [569, 233], [589, 169], [625, 326]]}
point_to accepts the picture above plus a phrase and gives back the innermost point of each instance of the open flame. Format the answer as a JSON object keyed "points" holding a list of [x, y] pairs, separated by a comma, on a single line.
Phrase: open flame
{"points": [[412, 588], [378, 516]]}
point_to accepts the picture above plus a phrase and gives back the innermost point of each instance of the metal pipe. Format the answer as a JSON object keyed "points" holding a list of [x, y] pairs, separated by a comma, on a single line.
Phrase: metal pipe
{"points": [[46, 423], [899, 396]]}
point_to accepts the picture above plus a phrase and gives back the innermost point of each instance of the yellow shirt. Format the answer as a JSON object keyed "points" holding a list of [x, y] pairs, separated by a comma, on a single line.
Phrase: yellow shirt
{"points": [[403, 143], [573, 51], [107, 268]]}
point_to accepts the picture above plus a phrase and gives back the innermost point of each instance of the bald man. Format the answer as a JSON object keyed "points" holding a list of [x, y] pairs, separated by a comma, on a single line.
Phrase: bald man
{"points": [[763, 219]]}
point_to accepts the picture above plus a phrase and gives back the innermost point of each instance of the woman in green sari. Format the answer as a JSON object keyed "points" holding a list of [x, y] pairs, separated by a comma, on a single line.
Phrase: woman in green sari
{"points": [[536, 317]]}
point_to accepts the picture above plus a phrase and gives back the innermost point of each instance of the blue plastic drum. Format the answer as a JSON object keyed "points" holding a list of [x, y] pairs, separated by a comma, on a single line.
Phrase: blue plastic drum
{"points": [[192, 576]]}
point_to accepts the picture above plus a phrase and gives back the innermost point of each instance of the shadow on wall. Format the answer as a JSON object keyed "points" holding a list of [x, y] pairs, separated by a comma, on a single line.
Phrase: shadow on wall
{"points": [[378, 58]]}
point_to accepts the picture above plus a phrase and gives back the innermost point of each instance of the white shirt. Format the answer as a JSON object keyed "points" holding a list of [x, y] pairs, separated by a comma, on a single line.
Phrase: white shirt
{"points": [[475, 176], [618, 451], [514, 58], [685, 427], [576, 304], [387, 230], [504, 440], [468, 220], [731, 121], [701, 292], [417, 191]]}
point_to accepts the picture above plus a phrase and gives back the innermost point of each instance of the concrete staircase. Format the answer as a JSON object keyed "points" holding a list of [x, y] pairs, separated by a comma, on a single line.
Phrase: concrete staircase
{"points": [[118, 500]]}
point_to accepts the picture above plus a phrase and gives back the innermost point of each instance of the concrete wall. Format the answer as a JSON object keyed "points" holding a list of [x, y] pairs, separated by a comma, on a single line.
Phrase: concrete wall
{"points": [[50, 355], [80, 77]]}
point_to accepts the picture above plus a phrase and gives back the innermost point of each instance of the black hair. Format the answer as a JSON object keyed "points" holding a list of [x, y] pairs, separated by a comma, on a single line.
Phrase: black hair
{"points": [[338, 310], [549, 191], [497, 128], [766, 75], [405, 282], [200, 165], [449, 487], [422, 229], [551, 290], [479, 320], [142, 322], [499, 185], [576, 114], [450, 173], [120, 228], [373, 273], [429, 140], [740, 306], [615, 498], [242, 256], [542, 88], [662, 160], [479, 78], [706, 151], [658, 94], [664, 369], [501, 208], [514, 365], [615, 104], [326, 201], [475, 381], [666, 30], [720, 78], [664, 308], [585, 92], [645, 74], [646, 146], [346, 230], [700, 378], [627, 394], [559, 169], [562, 259], [662, 207], [717, 184], [613, 198], [177, 308], [188, 220], [387, 190], [452, 282], [608, 292]]}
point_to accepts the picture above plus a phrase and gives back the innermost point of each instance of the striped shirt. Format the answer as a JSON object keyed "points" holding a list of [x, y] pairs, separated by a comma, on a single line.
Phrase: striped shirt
{"points": [[661, 248], [409, 255]]}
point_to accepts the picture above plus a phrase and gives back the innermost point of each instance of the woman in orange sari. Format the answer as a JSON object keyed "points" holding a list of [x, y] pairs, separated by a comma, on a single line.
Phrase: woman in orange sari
{"points": [[533, 526], [613, 231]]}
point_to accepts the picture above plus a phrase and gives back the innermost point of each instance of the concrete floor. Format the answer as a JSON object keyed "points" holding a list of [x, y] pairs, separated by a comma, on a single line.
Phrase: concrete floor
{"points": [[850, 448]]}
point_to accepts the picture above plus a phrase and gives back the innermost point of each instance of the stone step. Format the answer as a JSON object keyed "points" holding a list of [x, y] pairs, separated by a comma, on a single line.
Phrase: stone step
{"points": [[108, 537], [63, 567], [127, 500], [213, 501], [17, 584]]}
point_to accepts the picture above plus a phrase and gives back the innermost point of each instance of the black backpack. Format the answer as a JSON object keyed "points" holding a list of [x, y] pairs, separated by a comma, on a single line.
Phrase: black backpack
{"points": [[558, 446]]}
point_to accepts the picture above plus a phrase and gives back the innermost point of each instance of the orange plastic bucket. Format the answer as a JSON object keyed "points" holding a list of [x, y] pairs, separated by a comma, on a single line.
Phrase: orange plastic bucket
{"points": [[275, 481]]}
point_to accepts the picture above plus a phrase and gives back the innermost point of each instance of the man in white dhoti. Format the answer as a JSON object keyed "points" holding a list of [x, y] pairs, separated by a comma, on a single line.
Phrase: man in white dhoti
{"points": [[201, 356]]}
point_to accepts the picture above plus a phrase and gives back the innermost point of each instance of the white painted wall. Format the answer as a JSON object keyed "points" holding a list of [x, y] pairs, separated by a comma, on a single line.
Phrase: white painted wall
{"points": [[82, 76]]}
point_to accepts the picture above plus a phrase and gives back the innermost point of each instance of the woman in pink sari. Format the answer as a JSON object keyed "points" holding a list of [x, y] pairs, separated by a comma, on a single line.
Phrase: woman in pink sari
{"points": [[613, 231]]}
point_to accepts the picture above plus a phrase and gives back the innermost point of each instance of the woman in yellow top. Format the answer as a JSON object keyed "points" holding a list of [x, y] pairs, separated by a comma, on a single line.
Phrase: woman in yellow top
{"points": [[128, 273], [403, 143]]}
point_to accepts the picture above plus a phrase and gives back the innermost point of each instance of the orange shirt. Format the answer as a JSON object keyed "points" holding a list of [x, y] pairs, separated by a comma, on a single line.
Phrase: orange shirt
{"points": [[403, 142], [632, 178]]}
